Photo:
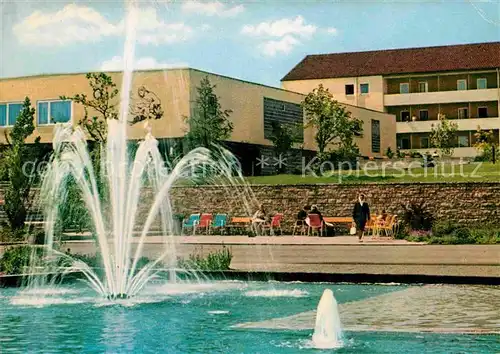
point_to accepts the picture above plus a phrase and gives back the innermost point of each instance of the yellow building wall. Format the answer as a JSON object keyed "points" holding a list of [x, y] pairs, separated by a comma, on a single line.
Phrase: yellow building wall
{"points": [[171, 87], [246, 100], [374, 99]]}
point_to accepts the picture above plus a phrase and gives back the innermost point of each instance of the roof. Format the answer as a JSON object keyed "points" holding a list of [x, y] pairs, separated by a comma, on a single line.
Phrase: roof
{"points": [[398, 61]]}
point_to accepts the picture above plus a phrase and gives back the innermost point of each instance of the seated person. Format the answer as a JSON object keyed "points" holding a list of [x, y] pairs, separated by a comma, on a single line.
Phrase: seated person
{"points": [[302, 215], [315, 210], [259, 218]]}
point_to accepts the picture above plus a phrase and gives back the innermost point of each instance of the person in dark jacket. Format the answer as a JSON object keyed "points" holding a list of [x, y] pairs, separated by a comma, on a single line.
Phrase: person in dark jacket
{"points": [[360, 215]]}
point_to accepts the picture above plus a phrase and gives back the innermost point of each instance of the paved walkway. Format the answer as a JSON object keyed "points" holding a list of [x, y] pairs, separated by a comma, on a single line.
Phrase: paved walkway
{"points": [[333, 255]]}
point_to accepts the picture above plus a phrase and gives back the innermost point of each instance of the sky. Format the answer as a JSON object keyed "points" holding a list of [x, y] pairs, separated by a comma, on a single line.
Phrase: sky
{"points": [[258, 41]]}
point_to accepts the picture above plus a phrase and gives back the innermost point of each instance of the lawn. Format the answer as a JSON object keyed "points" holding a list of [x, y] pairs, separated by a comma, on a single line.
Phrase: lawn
{"points": [[474, 172]]}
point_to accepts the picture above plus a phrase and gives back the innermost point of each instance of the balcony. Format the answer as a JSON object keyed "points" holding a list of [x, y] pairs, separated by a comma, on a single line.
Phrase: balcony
{"points": [[405, 99], [463, 125]]}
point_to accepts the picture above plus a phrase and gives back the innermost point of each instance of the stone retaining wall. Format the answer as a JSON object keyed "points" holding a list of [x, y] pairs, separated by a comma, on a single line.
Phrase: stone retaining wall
{"points": [[465, 203]]}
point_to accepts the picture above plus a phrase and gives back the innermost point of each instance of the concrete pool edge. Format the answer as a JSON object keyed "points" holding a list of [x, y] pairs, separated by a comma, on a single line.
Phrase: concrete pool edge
{"points": [[306, 277]]}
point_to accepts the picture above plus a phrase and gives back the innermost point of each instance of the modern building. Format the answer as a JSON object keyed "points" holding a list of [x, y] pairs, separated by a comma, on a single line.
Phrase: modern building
{"points": [[254, 107], [415, 84]]}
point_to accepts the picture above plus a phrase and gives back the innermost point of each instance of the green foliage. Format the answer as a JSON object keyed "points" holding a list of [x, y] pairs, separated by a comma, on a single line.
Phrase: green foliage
{"points": [[218, 260], [389, 153], [209, 124], [16, 258], [332, 122], [20, 162], [417, 217], [486, 144], [283, 137], [444, 135], [103, 105], [73, 213]]}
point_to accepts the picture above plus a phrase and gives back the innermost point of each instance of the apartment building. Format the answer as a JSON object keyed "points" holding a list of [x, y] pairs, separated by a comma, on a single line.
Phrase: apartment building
{"points": [[254, 108], [417, 85]]}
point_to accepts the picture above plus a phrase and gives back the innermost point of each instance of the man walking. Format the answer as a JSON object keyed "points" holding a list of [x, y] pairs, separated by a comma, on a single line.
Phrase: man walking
{"points": [[360, 215]]}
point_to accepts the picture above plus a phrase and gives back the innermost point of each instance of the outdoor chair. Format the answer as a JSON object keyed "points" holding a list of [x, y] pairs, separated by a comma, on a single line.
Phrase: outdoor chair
{"points": [[275, 224], [219, 223], [389, 226], [301, 225], [314, 223], [204, 224], [190, 223]]}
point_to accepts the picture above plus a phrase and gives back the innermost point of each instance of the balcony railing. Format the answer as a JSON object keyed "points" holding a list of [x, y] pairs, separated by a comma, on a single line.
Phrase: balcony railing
{"points": [[403, 99], [463, 125]]}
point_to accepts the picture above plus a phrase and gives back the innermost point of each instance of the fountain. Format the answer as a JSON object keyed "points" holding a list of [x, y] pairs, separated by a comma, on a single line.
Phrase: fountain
{"points": [[112, 195], [327, 330]]}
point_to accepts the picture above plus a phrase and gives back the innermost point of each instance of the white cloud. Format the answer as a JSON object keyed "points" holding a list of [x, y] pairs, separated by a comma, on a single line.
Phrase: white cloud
{"points": [[152, 30], [144, 63], [280, 28], [332, 31], [76, 23], [284, 45], [288, 32], [72, 24], [212, 8]]}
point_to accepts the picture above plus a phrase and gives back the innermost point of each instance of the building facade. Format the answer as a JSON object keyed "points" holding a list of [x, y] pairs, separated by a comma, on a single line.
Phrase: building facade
{"points": [[417, 85], [254, 109]]}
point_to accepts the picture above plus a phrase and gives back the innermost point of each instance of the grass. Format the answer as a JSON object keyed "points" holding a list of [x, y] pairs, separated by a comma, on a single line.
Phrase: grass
{"points": [[474, 172]]}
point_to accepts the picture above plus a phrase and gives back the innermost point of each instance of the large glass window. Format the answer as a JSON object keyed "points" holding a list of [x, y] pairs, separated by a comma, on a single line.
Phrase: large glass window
{"points": [[423, 86], [349, 89], [482, 112], [405, 116], [463, 113], [423, 114], [424, 142], [51, 112], [375, 136], [482, 83], [461, 85], [9, 113], [364, 89], [404, 88], [463, 141]]}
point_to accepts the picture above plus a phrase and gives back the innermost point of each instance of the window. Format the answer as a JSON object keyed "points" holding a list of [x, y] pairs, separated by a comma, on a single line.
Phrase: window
{"points": [[404, 87], [463, 113], [51, 112], [461, 85], [423, 114], [375, 136], [463, 141], [405, 116], [423, 86], [424, 142], [364, 89], [9, 113], [349, 89], [482, 83], [404, 143], [482, 112]]}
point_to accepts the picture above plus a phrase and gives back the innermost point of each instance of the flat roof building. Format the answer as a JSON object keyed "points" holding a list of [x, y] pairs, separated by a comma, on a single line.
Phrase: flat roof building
{"points": [[416, 85], [254, 107]]}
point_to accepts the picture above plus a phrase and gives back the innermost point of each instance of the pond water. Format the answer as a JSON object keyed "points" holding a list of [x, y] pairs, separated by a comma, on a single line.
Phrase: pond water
{"points": [[253, 317]]}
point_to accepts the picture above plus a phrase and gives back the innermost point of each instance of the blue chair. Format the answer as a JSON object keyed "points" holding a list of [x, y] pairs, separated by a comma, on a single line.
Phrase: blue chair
{"points": [[220, 222], [191, 223]]}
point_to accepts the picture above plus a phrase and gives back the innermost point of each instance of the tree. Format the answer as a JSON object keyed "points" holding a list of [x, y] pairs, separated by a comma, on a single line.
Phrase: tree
{"points": [[333, 123], [486, 143], [103, 104], [283, 137], [17, 159], [209, 124], [444, 135]]}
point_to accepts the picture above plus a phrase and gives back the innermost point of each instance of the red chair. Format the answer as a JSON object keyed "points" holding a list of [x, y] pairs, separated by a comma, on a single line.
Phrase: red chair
{"points": [[315, 223], [274, 225], [205, 222]]}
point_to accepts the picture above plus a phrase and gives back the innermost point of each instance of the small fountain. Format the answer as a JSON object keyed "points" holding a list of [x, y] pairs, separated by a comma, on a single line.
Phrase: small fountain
{"points": [[328, 330]]}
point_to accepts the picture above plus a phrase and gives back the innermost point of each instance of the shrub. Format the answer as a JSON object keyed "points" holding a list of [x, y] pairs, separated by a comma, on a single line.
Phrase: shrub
{"points": [[443, 228], [389, 153], [417, 217], [16, 258], [218, 260]]}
